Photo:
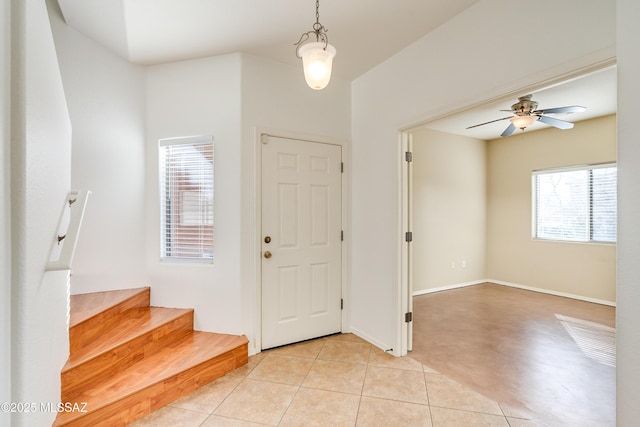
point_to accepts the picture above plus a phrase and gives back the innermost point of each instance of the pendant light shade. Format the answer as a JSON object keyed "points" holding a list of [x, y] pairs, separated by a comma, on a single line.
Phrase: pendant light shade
{"points": [[317, 60], [317, 57]]}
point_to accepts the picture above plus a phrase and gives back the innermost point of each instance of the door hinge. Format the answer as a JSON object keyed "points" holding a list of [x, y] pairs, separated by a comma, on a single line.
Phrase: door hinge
{"points": [[408, 156], [408, 317], [408, 236], [341, 304], [341, 167], [342, 235]]}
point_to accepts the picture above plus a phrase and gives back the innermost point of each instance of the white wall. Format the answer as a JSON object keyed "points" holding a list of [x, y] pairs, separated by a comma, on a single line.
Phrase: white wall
{"points": [[120, 111], [276, 99], [40, 179], [628, 272], [275, 96], [199, 97], [106, 98], [5, 206], [382, 103], [230, 97], [404, 90], [471, 58], [449, 210]]}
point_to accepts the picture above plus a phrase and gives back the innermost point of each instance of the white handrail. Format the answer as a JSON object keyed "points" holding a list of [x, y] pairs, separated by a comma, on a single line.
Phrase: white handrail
{"points": [[64, 245]]}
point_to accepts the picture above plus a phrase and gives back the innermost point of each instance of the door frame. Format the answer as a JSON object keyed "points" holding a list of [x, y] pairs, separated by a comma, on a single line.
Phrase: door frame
{"points": [[404, 137], [256, 246], [406, 225]]}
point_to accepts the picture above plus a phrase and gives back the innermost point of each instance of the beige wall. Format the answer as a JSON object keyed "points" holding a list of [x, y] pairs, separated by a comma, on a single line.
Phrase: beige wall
{"points": [[449, 208], [472, 203], [587, 270]]}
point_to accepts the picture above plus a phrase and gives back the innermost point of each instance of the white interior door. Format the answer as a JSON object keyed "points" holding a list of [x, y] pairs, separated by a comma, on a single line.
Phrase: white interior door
{"points": [[301, 240]]}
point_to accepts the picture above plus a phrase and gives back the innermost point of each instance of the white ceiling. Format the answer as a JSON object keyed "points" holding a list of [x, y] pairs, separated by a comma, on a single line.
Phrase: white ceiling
{"points": [[596, 91], [365, 33]]}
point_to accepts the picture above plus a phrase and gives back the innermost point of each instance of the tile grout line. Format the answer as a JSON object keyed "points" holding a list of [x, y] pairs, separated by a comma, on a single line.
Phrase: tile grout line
{"points": [[476, 412], [426, 389], [299, 386], [212, 413], [505, 415], [364, 380], [315, 358]]}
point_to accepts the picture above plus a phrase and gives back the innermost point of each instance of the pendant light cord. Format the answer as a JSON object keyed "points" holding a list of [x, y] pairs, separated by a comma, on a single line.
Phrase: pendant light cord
{"points": [[318, 29]]}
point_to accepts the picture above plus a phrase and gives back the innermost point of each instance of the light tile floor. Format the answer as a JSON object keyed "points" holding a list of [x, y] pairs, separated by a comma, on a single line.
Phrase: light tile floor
{"points": [[339, 380]]}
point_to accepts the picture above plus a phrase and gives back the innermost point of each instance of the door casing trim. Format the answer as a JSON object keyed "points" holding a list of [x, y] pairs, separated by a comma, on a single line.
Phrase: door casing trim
{"points": [[257, 235]]}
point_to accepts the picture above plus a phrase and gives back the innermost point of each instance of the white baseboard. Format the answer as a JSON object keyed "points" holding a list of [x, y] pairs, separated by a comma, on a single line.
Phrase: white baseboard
{"points": [[550, 292], [373, 341], [515, 285], [448, 287], [253, 350]]}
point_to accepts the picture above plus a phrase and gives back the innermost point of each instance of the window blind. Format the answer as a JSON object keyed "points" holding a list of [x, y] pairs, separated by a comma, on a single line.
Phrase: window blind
{"points": [[186, 198], [576, 204], [604, 206]]}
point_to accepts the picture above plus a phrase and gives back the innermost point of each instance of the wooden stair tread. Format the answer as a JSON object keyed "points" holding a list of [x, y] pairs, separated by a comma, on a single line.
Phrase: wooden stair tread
{"points": [[85, 306], [128, 359], [196, 347], [193, 349], [134, 323]]}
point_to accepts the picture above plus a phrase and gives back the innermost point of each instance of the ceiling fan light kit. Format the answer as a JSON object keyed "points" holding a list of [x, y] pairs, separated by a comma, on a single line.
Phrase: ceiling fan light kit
{"points": [[522, 122], [526, 115], [317, 57]]}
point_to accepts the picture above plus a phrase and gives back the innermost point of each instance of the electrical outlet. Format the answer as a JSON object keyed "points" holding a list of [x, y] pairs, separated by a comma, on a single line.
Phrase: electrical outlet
{"points": [[464, 263]]}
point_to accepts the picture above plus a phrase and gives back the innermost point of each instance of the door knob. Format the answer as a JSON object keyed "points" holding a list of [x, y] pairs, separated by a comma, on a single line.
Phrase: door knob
{"points": [[267, 254]]}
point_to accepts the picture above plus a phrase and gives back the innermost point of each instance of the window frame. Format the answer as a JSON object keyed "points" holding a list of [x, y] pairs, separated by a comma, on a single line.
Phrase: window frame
{"points": [[588, 208], [165, 256]]}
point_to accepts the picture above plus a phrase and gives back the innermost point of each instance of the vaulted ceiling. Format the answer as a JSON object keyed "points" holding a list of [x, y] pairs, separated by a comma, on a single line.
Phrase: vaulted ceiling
{"points": [[364, 32]]}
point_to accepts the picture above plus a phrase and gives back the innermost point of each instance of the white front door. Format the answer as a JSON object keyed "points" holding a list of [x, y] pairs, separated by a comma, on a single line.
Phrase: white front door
{"points": [[301, 240]]}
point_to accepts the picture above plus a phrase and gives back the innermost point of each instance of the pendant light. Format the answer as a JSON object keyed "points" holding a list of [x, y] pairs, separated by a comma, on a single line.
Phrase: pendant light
{"points": [[317, 57]]}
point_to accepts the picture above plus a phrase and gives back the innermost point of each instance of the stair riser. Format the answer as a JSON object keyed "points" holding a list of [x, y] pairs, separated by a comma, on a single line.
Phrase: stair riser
{"points": [[194, 378], [92, 329], [131, 359], [118, 358], [154, 397]]}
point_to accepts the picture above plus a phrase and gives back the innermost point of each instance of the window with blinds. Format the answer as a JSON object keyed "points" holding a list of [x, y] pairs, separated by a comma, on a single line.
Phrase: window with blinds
{"points": [[186, 199], [576, 204]]}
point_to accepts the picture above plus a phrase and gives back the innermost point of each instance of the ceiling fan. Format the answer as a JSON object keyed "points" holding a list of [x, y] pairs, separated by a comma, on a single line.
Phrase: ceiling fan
{"points": [[526, 115]]}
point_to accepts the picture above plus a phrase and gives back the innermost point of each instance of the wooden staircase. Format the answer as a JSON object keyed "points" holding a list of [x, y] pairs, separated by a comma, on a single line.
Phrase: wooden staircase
{"points": [[128, 359]]}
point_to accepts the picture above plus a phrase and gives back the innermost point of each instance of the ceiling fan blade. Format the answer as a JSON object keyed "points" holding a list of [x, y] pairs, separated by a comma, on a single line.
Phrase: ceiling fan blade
{"points": [[561, 110], [492, 121], [560, 124], [509, 130]]}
